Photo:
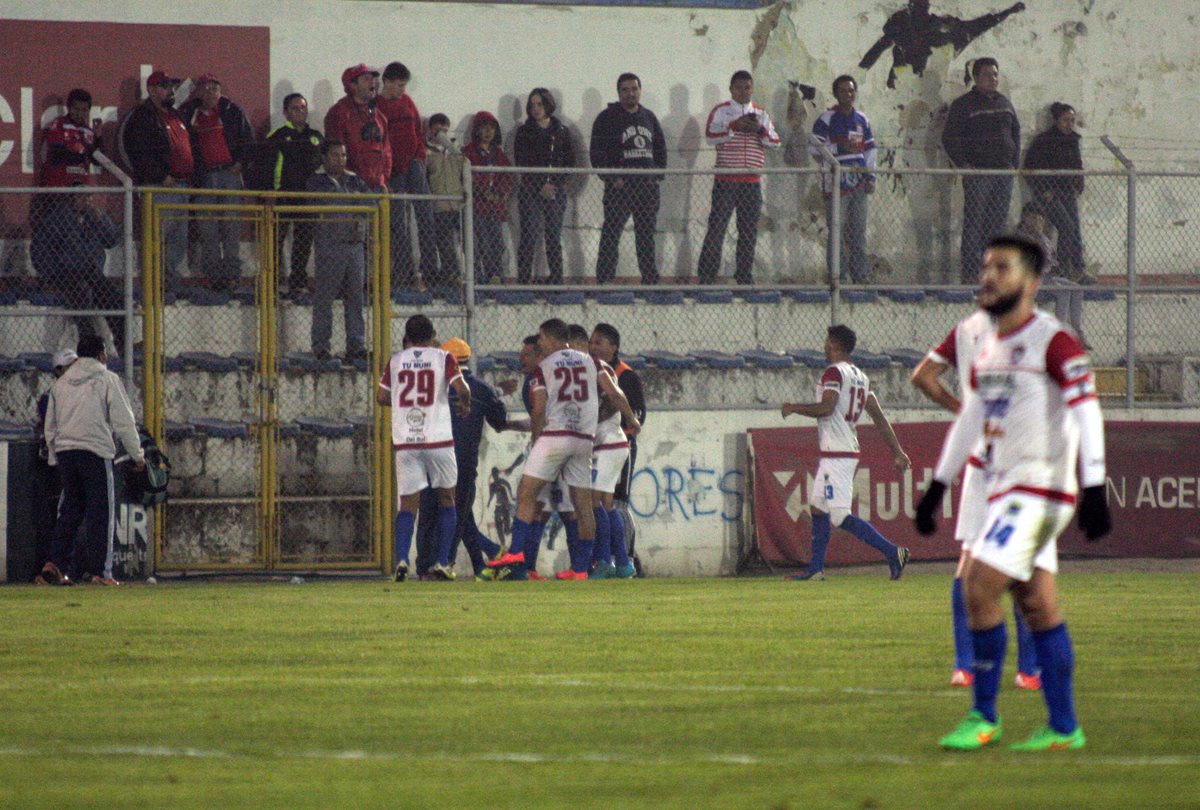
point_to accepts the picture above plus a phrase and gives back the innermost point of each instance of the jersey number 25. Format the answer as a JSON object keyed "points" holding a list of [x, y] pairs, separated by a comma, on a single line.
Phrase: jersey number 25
{"points": [[572, 385]]}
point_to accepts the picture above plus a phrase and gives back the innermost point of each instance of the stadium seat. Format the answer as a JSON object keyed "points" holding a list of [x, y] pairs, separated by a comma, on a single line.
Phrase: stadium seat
{"points": [[909, 358], [42, 361], [207, 361], [204, 297], [809, 296], [178, 431], [451, 295], [860, 296], [11, 365], [514, 298], [362, 424], [47, 299], [955, 296], [719, 359], [761, 296], [9, 298], [615, 298], [411, 298], [174, 364], [14, 432], [326, 428], [635, 361], [246, 359], [485, 363], [244, 296], [714, 297], [760, 358], [905, 296], [1099, 294], [222, 428], [865, 359], [567, 298], [660, 297], [508, 360], [289, 430], [305, 361], [809, 357], [669, 360]]}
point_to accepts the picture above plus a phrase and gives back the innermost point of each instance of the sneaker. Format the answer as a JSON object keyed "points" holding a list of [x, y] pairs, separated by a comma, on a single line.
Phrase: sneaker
{"points": [[897, 567], [815, 576], [972, 734], [401, 572], [962, 677], [516, 573], [535, 576], [1047, 739], [50, 575], [571, 575], [626, 571], [507, 559], [485, 575], [442, 572], [92, 579], [604, 570], [1031, 682]]}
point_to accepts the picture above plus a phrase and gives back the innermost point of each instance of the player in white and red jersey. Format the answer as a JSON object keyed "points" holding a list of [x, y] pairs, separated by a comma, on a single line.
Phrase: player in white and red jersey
{"points": [[565, 396], [843, 394], [958, 350], [416, 384], [1034, 403]]}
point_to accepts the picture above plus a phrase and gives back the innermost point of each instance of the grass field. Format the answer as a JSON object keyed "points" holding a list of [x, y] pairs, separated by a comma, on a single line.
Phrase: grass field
{"points": [[654, 693]]}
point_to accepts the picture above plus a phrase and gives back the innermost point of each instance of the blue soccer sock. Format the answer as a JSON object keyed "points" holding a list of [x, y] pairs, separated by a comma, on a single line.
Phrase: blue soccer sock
{"points": [[822, 528], [447, 522], [616, 534], [533, 543], [402, 538], [988, 667], [1057, 657], [866, 532], [602, 551], [487, 546], [1027, 659], [518, 539], [964, 650]]}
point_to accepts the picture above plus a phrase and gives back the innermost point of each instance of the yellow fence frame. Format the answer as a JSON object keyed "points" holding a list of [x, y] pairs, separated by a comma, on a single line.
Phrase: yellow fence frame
{"points": [[265, 217]]}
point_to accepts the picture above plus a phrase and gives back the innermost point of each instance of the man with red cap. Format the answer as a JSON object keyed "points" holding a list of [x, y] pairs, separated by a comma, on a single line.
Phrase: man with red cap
{"points": [[357, 121]]}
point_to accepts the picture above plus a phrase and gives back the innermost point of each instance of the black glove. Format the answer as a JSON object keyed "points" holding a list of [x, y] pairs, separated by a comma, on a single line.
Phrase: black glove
{"points": [[1094, 517], [928, 506]]}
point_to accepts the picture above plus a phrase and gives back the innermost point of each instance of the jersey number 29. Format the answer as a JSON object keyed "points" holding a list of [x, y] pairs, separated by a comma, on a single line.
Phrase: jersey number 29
{"points": [[572, 385], [422, 380]]}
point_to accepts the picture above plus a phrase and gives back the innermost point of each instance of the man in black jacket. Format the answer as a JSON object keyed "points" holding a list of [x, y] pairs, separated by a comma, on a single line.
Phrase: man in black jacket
{"points": [[295, 153], [982, 132], [626, 135], [223, 144], [154, 143]]}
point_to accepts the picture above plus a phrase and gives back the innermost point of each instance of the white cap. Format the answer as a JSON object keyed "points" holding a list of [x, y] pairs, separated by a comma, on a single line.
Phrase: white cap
{"points": [[64, 358]]}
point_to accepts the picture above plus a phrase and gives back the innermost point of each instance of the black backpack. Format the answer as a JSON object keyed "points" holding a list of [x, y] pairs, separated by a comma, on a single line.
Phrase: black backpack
{"points": [[149, 486]]}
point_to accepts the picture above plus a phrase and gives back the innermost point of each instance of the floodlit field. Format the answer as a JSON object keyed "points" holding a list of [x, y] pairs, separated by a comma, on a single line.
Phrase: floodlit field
{"points": [[670, 693]]}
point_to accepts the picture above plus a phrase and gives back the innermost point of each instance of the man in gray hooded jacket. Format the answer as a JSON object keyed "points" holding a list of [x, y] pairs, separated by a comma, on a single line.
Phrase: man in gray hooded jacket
{"points": [[87, 407]]}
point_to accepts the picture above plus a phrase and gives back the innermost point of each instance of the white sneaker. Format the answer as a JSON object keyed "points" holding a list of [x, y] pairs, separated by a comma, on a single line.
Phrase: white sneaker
{"points": [[401, 572], [442, 572]]}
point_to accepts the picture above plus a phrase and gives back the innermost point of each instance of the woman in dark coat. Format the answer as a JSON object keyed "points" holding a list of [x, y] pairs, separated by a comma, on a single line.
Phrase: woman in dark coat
{"points": [[542, 198], [1058, 148]]}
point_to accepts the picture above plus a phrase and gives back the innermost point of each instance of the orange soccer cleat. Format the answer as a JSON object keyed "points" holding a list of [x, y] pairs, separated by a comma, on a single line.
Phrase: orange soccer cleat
{"points": [[962, 677]]}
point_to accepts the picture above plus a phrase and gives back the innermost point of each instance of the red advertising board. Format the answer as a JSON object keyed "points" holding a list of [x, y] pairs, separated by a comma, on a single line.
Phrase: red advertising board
{"points": [[1153, 491]]}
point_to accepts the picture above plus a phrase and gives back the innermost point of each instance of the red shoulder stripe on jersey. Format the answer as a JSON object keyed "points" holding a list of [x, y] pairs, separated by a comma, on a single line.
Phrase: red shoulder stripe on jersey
{"points": [[975, 461], [1048, 494], [947, 350], [1071, 403], [425, 446], [832, 374]]}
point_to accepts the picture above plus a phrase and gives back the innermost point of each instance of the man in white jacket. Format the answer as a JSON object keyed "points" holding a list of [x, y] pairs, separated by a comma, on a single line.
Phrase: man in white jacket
{"points": [[87, 407]]}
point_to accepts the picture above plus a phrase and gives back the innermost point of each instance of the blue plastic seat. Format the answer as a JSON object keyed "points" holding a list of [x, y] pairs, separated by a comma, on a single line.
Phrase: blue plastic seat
{"points": [[222, 428], [204, 297], [909, 358], [508, 360], [15, 432], [761, 358], [174, 364], [865, 359], [244, 295], [246, 359], [761, 296], [515, 297], [669, 360], [362, 424], [47, 299], [42, 361], [714, 297], [11, 365], [485, 363], [305, 361], [451, 295], [809, 357], [619, 298], [207, 361], [810, 296], [860, 296], [326, 428], [9, 298], [955, 296], [661, 297], [567, 298], [289, 430], [1099, 294], [905, 296], [178, 431], [714, 359], [412, 298]]}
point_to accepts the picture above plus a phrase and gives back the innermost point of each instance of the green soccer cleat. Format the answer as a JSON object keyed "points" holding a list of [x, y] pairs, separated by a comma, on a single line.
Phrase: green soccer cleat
{"points": [[626, 571], [604, 571], [972, 734], [1047, 739]]}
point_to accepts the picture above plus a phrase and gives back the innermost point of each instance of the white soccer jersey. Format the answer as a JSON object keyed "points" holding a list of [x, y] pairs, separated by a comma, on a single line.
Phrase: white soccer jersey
{"points": [[418, 380], [1027, 380], [569, 379], [837, 432], [959, 347], [609, 434]]}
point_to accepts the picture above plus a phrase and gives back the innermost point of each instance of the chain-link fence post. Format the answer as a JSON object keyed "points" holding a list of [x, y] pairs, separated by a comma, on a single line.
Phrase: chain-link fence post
{"points": [[468, 219], [1130, 263]]}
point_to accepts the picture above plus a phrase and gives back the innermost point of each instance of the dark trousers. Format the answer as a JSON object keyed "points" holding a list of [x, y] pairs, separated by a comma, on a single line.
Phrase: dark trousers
{"points": [[411, 181], [489, 249], [639, 198], [985, 215], [87, 499], [727, 197], [302, 242], [465, 529], [1063, 212], [92, 290], [536, 212], [445, 230]]}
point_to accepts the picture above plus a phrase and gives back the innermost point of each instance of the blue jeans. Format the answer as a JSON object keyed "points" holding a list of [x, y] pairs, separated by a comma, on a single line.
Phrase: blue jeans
{"points": [[985, 216], [220, 234], [412, 181], [854, 266], [535, 210], [746, 199]]}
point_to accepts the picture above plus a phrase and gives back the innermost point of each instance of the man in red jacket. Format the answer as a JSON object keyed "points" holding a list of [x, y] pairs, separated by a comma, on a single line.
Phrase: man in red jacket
{"points": [[407, 140], [69, 142], [357, 121]]}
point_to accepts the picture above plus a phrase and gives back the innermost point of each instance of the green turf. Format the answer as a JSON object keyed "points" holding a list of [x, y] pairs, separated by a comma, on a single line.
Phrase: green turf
{"points": [[712, 693]]}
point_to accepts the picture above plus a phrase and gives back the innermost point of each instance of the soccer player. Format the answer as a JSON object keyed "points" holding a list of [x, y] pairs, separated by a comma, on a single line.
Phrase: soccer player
{"points": [[565, 398], [1033, 401], [958, 350], [416, 383], [845, 392]]}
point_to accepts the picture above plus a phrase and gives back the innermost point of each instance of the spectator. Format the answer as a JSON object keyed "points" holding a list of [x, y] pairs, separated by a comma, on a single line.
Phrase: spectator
{"points": [[296, 148], [626, 135], [222, 142], [87, 407], [155, 144], [407, 141], [741, 131], [542, 198], [341, 256], [1058, 148], [982, 132], [491, 192], [357, 122], [444, 165], [846, 132], [46, 487], [69, 142], [1068, 302], [68, 251]]}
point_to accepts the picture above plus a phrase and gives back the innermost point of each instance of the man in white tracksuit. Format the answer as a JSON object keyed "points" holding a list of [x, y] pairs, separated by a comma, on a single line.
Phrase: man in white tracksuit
{"points": [[87, 407]]}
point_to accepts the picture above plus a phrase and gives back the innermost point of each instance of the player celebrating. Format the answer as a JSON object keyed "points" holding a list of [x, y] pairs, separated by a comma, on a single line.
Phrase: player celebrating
{"points": [[1034, 403], [844, 393], [416, 383], [565, 405], [958, 350]]}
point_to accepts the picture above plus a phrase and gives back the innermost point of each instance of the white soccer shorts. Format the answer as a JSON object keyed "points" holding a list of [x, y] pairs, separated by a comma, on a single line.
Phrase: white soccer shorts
{"points": [[606, 468], [834, 484], [425, 467], [1021, 534], [569, 456], [972, 505]]}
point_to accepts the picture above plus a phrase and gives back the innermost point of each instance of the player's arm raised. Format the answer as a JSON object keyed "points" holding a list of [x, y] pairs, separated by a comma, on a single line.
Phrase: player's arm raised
{"points": [[875, 410], [927, 378], [816, 410], [617, 397]]}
